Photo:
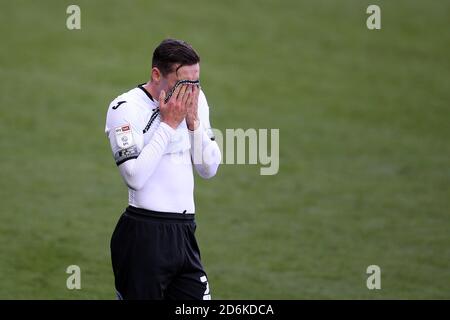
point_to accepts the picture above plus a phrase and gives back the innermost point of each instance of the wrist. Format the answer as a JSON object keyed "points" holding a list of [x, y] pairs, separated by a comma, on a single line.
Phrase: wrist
{"points": [[193, 124], [171, 124]]}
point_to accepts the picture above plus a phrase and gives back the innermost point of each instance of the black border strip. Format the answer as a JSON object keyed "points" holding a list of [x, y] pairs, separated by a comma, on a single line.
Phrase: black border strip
{"points": [[140, 86], [125, 160], [152, 118]]}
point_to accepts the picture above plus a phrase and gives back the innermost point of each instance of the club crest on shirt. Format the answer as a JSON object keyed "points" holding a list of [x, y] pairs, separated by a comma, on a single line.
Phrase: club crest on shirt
{"points": [[124, 136]]}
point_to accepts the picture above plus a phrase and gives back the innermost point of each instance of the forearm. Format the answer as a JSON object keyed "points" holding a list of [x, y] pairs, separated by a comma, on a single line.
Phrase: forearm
{"points": [[205, 153], [136, 172]]}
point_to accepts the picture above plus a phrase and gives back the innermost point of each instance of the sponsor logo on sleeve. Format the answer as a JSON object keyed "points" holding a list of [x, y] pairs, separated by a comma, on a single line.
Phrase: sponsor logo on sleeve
{"points": [[124, 136]]}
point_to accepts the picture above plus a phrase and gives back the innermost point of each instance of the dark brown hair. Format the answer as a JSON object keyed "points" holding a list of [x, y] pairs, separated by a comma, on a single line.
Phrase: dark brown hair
{"points": [[171, 52]]}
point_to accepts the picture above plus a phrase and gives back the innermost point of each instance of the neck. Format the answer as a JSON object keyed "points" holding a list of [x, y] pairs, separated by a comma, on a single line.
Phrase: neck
{"points": [[150, 87]]}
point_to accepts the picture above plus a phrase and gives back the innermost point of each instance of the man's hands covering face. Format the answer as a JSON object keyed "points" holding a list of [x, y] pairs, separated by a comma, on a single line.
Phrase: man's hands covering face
{"points": [[175, 110], [181, 104]]}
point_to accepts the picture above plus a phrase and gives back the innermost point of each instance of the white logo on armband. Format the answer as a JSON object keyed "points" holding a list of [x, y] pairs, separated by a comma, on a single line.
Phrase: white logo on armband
{"points": [[124, 136]]}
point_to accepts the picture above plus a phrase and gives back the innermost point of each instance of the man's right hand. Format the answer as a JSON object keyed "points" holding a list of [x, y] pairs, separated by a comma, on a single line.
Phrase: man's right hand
{"points": [[174, 111]]}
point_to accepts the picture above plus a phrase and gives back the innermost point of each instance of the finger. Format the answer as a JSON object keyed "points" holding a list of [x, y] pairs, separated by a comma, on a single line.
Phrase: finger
{"points": [[181, 92], [196, 91], [188, 100], [186, 96], [195, 97], [175, 91], [183, 109], [162, 96]]}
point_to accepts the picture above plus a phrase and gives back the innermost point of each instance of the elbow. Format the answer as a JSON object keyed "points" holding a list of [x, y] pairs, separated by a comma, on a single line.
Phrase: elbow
{"points": [[133, 183], [207, 172], [207, 175], [130, 178], [211, 164]]}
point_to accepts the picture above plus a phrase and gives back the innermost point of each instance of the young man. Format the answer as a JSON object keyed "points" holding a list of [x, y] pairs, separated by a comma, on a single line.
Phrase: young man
{"points": [[156, 141]]}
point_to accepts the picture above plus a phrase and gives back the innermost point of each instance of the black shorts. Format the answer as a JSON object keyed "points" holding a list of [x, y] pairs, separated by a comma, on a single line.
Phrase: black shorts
{"points": [[155, 256]]}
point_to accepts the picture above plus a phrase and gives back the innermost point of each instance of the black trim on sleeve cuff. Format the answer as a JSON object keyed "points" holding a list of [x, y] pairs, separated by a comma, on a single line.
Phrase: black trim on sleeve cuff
{"points": [[125, 160]]}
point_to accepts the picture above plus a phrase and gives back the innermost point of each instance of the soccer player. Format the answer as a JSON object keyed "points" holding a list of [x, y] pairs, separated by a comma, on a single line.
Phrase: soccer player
{"points": [[159, 131]]}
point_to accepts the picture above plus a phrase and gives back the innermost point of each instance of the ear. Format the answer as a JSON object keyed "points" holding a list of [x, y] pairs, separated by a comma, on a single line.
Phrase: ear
{"points": [[156, 74]]}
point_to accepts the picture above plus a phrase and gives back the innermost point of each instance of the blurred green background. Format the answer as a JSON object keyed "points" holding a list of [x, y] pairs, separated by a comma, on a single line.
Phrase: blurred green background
{"points": [[364, 144]]}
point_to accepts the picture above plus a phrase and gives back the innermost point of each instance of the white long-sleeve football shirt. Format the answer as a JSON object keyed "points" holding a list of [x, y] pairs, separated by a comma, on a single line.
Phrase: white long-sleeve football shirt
{"points": [[155, 160]]}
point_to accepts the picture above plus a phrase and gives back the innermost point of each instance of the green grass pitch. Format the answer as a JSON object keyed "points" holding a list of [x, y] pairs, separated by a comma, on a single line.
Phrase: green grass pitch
{"points": [[364, 144]]}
